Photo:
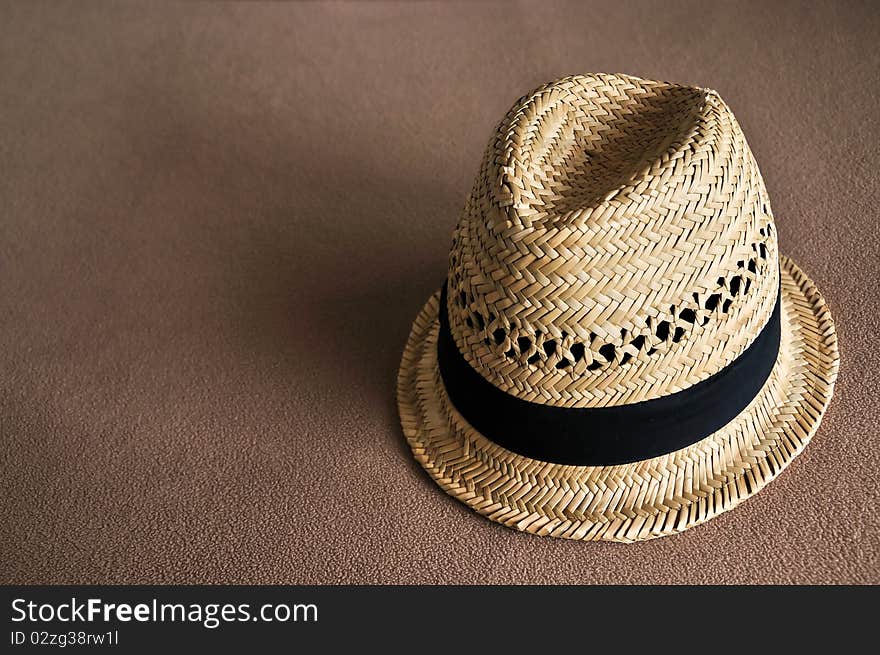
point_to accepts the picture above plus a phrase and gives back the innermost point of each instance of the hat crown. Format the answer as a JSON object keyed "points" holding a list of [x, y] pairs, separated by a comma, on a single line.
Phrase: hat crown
{"points": [[617, 246]]}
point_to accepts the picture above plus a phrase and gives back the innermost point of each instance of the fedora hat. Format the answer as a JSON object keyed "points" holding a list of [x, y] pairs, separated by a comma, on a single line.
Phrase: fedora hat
{"points": [[619, 350]]}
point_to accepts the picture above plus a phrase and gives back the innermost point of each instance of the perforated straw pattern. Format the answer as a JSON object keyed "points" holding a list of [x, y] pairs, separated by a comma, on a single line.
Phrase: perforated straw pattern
{"points": [[618, 244]]}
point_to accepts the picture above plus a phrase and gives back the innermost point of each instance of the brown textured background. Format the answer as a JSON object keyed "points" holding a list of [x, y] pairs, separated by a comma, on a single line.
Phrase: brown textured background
{"points": [[218, 222]]}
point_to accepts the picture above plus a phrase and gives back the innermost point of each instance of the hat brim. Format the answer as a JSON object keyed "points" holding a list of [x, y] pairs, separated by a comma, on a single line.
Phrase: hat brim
{"points": [[640, 500]]}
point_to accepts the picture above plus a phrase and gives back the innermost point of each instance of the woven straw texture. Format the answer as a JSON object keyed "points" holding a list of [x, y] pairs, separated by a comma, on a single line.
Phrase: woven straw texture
{"points": [[618, 246]]}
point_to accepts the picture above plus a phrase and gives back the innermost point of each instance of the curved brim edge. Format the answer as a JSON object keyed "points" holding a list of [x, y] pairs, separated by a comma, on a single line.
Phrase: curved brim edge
{"points": [[642, 500]]}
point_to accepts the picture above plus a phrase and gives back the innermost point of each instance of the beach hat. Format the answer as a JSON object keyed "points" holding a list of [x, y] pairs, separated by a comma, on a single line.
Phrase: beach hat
{"points": [[619, 350]]}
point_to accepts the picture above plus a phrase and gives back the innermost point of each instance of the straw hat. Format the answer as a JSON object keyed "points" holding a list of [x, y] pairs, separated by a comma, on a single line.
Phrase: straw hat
{"points": [[619, 350]]}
